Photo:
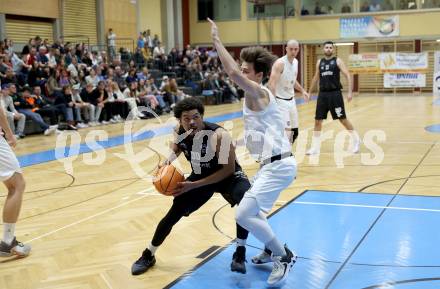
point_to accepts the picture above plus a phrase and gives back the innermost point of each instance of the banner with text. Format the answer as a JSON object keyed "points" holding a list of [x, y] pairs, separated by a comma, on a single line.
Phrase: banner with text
{"points": [[401, 80], [364, 63], [398, 62], [369, 26]]}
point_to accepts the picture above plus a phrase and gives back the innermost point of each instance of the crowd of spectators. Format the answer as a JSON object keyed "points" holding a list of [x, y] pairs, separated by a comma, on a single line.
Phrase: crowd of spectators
{"points": [[67, 86]]}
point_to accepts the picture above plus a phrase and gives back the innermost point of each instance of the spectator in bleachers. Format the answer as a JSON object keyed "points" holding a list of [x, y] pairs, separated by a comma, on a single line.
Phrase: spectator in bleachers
{"points": [[9, 77], [41, 56], [149, 41], [123, 107], [131, 76], [32, 56], [12, 114], [45, 108], [131, 97], [158, 51], [51, 59], [53, 88], [92, 78], [119, 78], [29, 105], [111, 42], [81, 107], [152, 89], [87, 95], [98, 99], [143, 75]]}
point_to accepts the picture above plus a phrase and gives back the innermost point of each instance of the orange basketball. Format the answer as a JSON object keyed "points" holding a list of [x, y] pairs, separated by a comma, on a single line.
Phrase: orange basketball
{"points": [[166, 179]]}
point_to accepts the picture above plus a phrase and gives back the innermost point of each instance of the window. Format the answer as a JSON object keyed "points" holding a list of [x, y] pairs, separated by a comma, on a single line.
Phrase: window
{"points": [[218, 9], [313, 7], [273, 10]]}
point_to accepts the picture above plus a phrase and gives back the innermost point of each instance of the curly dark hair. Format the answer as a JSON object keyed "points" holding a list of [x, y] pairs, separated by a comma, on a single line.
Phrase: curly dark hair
{"points": [[188, 104], [261, 58]]}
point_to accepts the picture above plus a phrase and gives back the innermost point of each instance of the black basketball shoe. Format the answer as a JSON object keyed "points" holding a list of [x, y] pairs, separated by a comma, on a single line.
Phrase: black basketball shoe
{"points": [[239, 260], [146, 261]]}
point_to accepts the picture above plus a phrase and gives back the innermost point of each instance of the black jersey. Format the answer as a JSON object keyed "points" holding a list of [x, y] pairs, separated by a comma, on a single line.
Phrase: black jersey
{"points": [[195, 153], [329, 73]]}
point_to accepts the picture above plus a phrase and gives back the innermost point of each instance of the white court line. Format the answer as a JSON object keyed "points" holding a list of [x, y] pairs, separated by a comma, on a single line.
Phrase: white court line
{"points": [[106, 281], [366, 206], [93, 216]]}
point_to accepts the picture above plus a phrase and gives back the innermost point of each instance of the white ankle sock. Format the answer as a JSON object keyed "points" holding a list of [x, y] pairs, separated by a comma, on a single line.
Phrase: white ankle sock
{"points": [[240, 242], [152, 249], [8, 233], [355, 136], [316, 140]]}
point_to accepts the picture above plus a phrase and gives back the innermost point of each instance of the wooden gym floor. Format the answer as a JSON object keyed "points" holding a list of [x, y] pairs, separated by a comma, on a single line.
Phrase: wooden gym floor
{"points": [[88, 225]]}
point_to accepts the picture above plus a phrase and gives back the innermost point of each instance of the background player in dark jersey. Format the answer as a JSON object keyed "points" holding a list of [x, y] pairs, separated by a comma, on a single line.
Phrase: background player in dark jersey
{"points": [[210, 150], [328, 71]]}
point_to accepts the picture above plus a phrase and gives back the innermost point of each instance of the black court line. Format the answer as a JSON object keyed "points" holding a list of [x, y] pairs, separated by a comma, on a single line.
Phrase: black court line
{"points": [[208, 252], [376, 220], [227, 245], [388, 284]]}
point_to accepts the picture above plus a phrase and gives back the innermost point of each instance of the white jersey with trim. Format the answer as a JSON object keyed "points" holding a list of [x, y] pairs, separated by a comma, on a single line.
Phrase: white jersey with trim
{"points": [[265, 134], [285, 88]]}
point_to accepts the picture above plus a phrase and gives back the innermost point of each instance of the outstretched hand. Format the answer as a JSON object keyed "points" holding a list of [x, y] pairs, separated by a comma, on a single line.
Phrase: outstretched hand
{"points": [[214, 29]]}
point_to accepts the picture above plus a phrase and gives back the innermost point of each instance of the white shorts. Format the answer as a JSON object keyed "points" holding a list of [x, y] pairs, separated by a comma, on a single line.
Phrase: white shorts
{"points": [[8, 161], [270, 180], [289, 112]]}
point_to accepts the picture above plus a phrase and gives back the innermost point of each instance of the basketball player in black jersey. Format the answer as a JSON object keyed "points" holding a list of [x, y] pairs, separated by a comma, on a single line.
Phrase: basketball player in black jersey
{"points": [[328, 71], [209, 149]]}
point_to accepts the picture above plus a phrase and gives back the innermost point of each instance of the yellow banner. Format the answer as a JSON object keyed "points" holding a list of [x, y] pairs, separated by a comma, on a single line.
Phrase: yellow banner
{"points": [[364, 63]]}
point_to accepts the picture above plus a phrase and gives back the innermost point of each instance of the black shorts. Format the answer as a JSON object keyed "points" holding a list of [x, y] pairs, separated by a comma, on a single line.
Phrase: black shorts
{"points": [[330, 101], [231, 188]]}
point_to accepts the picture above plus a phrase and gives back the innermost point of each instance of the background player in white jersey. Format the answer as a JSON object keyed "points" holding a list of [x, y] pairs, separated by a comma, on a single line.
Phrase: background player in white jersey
{"points": [[11, 176], [283, 82], [328, 72], [266, 141]]}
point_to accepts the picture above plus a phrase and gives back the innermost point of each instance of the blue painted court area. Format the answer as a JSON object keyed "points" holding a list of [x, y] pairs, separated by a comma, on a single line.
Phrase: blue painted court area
{"points": [[433, 128], [345, 241]]}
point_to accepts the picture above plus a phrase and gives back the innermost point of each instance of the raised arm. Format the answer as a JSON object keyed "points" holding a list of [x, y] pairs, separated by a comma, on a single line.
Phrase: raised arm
{"points": [[252, 89], [347, 75]]}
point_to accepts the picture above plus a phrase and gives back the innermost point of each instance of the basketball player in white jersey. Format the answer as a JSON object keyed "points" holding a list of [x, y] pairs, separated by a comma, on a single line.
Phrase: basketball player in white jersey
{"points": [[267, 142], [283, 82], [11, 176]]}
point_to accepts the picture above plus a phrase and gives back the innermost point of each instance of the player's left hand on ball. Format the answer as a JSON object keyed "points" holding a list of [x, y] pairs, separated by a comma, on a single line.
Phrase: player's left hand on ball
{"points": [[183, 187]]}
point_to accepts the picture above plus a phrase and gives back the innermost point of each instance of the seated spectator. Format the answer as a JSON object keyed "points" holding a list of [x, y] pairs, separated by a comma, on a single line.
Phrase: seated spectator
{"points": [[98, 98], [54, 90], [81, 107], [92, 78], [29, 105], [131, 97], [67, 100], [12, 114], [45, 107]]}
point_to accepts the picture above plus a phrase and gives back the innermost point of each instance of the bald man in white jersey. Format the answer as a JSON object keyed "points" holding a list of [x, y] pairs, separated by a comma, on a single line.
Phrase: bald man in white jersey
{"points": [[12, 177], [283, 82], [267, 142]]}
